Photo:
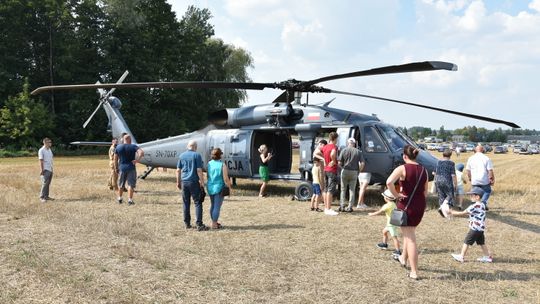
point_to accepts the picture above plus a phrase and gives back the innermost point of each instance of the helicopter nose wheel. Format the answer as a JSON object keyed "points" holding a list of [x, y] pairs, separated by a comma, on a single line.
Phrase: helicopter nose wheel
{"points": [[303, 191]]}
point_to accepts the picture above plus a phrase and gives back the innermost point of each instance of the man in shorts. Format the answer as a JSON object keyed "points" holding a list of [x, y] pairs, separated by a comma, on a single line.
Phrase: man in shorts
{"points": [[330, 171], [127, 155]]}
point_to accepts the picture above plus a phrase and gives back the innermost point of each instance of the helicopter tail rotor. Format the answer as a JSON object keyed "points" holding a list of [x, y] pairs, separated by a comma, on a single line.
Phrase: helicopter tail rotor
{"points": [[104, 96]]}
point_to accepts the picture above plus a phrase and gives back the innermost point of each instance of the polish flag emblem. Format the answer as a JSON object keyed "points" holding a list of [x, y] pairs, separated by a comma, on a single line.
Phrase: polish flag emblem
{"points": [[314, 116]]}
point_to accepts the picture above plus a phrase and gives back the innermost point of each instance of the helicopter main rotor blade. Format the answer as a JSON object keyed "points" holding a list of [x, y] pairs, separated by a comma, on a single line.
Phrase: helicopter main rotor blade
{"points": [[393, 69], [162, 85], [508, 123]]}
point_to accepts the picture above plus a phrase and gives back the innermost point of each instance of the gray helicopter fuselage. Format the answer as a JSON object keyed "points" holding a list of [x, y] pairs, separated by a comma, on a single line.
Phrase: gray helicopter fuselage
{"points": [[239, 132]]}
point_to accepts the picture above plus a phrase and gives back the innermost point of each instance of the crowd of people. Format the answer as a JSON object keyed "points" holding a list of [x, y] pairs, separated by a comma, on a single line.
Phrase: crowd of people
{"points": [[406, 188]]}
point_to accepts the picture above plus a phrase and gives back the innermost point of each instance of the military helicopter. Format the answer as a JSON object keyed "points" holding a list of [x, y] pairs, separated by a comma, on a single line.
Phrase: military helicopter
{"points": [[239, 131]]}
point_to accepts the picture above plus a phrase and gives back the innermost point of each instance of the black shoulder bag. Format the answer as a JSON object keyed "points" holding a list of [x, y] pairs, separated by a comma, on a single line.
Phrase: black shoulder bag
{"points": [[398, 217]]}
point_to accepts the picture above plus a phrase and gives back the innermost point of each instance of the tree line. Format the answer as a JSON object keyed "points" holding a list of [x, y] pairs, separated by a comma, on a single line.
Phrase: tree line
{"points": [[469, 133], [52, 42]]}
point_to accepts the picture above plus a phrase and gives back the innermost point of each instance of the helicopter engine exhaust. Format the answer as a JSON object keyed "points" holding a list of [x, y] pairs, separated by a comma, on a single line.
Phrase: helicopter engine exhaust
{"points": [[277, 113]]}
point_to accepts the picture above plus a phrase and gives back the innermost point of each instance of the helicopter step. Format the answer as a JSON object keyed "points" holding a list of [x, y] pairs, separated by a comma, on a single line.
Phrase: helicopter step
{"points": [[148, 170]]}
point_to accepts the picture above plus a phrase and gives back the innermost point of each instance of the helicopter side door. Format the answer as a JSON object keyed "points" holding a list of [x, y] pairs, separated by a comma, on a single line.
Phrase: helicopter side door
{"points": [[238, 158], [235, 146]]}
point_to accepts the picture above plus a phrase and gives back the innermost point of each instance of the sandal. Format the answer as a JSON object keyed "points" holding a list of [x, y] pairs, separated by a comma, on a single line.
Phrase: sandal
{"points": [[318, 210], [410, 276]]}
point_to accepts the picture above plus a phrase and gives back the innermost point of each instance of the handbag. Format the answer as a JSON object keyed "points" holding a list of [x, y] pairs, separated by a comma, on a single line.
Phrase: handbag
{"points": [[202, 194], [398, 217], [225, 191]]}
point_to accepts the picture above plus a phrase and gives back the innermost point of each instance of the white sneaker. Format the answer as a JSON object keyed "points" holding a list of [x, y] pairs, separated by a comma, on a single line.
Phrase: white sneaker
{"points": [[330, 212], [361, 206], [457, 257], [485, 259]]}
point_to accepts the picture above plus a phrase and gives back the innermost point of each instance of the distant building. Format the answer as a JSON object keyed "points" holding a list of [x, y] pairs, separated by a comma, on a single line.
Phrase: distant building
{"points": [[432, 139], [458, 138], [523, 139]]}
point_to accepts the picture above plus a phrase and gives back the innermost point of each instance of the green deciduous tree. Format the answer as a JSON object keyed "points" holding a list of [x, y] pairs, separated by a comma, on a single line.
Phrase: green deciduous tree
{"points": [[23, 121]]}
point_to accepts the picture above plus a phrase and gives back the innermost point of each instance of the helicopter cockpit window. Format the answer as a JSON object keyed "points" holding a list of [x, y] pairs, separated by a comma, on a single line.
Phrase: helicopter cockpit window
{"points": [[394, 139], [372, 142], [407, 137]]}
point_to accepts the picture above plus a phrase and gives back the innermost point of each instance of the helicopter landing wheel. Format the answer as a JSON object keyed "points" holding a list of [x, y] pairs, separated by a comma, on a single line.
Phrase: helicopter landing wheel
{"points": [[303, 191]]}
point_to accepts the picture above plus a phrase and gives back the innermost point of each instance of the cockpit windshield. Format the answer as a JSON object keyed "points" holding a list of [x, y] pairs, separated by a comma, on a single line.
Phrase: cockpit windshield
{"points": [[394, 137], [407, 137]]}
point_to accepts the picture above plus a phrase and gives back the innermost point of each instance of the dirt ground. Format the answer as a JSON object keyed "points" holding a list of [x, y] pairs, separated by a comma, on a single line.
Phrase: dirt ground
{"points": [[85, 248]]}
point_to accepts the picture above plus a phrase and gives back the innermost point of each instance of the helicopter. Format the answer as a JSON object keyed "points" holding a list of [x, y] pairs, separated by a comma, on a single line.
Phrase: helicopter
{"points": [[239, 131]]}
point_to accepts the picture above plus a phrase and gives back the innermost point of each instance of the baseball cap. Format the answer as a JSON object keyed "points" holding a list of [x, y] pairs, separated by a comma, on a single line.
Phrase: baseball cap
{"points": [[388, 195], [351, 140], [460, 167], [476, 191]]}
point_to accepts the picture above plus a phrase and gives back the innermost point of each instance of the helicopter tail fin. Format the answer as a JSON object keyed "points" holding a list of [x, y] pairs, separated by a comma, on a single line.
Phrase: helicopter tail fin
{"points": [[117, 125]]}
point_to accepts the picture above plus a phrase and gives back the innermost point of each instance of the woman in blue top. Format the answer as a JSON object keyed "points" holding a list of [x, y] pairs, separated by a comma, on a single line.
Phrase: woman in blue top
{"points": [[218, 176]]}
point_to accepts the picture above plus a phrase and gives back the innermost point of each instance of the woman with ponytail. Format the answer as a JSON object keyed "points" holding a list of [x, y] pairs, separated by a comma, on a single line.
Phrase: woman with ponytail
{"points": [[413, 182]]}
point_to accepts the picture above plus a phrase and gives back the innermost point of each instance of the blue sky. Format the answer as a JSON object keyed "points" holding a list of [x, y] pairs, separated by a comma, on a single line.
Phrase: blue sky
{"points": [[495, 44]]}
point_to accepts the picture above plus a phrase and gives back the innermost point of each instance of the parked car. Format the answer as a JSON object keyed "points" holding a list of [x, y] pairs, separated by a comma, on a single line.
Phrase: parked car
{"points": [[516, 148], [443, 147], [533, 149], [500, 149], [524, 150]]}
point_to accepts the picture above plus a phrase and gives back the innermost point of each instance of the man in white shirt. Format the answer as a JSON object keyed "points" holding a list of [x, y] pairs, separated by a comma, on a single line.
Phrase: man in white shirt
{"points": [[480, 172], [45, 156]]}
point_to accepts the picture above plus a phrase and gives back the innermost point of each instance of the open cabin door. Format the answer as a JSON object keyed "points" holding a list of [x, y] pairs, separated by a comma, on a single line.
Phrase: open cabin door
{"points": [[280, 144]]}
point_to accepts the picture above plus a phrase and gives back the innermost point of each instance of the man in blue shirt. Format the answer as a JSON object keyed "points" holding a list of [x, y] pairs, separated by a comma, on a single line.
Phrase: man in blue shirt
{"points": [[127, 155], [190, 179]]}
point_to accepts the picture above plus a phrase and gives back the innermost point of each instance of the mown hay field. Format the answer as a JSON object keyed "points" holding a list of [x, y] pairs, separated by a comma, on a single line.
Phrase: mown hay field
{"points": [[85, 248]]}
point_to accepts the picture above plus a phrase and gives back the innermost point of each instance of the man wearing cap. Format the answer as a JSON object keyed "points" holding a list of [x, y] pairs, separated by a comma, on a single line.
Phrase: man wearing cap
{"points": [[351, 163], [479, 170]]}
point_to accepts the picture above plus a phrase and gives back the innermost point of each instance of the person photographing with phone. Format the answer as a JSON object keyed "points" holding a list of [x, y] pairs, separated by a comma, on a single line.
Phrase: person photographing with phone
{"points": [[266, 156]]}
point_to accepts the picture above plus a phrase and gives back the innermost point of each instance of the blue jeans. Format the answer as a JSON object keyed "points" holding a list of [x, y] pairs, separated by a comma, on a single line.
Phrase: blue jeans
{"points": [[216, 200], [192, 190], [487, 192]]}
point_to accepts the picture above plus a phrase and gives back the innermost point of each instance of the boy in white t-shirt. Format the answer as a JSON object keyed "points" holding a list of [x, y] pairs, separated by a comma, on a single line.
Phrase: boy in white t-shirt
{"points": [[477, 224]]}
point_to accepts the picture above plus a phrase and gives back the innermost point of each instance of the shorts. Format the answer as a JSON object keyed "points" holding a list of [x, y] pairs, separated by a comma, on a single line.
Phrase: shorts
{"points": [[264, 173], [392, 229], [331, 182], [316, 189], [364, 177], [129, 177], [475, 236]]}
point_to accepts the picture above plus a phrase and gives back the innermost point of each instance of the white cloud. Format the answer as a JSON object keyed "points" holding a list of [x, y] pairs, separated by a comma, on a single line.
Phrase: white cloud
{"points": [[497, 51], [535, 5]]}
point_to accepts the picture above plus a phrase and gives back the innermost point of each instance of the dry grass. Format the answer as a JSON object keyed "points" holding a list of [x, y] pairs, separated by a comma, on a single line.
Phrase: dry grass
{"points": [[84, 248]]}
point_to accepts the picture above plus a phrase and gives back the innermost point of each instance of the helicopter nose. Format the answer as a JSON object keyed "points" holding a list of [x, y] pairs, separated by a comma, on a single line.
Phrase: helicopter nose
{"points": [[428, 161]]}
